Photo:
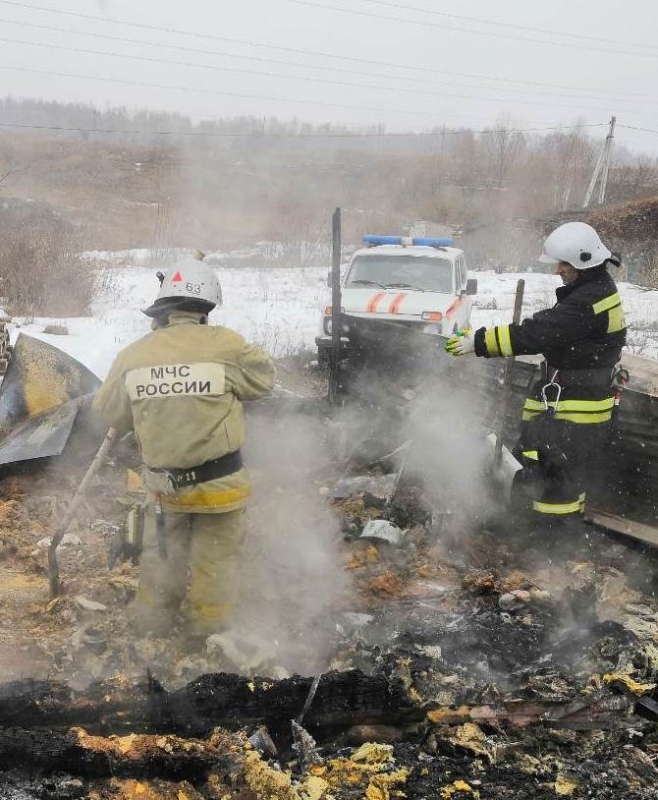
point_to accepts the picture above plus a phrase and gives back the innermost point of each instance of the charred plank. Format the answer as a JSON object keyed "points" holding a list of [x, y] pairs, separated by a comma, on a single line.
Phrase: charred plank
{"points": [[136, 755], [342, 699]]}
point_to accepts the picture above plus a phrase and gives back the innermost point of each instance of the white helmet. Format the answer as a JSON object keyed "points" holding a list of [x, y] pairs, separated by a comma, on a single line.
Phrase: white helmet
{"points": [[578, 244], [185, 281]]}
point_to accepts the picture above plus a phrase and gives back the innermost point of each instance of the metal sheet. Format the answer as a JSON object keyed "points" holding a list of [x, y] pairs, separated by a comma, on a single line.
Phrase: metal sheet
{"points": [[39, 377], [40, 436]]}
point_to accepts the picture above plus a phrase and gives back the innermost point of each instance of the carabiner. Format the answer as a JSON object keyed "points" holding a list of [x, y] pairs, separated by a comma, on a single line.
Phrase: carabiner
{"points": [[550, 406]]}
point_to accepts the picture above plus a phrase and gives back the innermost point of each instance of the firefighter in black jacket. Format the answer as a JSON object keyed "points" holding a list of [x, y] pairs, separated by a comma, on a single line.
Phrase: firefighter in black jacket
{"points": [[567, 417]]}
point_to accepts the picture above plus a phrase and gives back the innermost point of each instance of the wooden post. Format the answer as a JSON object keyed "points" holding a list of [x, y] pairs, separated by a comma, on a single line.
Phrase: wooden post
{"points": [[336, 300], [507, 378]]}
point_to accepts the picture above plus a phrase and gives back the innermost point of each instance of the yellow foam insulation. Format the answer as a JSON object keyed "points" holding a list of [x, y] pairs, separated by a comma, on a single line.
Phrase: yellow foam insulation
{"points": [[632, 685], [369, 767], [374, 753], [471, 737], [314, 788], [131, 789], [565, 786], [383, 787], [267, 782], [458, 786]]}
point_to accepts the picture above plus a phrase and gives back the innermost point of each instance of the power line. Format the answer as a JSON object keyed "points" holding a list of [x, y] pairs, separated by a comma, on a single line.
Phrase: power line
{"points": [[304, 78], [259, 135], [442, 26], [215, 92], [633, 128], [247, 43], [483, 21]]}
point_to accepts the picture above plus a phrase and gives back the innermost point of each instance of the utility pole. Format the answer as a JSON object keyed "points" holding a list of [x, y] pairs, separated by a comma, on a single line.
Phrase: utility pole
{"points": [[602, 167]]}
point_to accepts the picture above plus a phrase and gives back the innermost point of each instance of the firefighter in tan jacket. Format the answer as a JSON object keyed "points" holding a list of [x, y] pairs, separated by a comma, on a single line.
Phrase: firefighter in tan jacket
{"points": [[180, 389]]}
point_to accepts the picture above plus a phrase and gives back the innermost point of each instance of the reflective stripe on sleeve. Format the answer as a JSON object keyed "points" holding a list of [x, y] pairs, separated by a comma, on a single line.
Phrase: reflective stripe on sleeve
{"points": [[505, 342], [491, 342], [533, 455], [498, 342]]}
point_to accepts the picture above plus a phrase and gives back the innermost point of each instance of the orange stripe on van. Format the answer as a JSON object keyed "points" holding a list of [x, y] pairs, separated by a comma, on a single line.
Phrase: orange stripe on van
{"points": [[394, 305], [374, 302], [453, 307]]}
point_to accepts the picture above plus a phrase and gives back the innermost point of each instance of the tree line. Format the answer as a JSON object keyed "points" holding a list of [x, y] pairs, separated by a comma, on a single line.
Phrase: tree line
{"points": [[126, 178]]}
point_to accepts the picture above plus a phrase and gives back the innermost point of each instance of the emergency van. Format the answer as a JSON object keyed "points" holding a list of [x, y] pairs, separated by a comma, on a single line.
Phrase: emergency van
{"points": [[398, 285]]}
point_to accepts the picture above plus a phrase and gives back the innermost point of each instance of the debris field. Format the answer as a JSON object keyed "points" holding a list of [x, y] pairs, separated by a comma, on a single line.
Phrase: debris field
{"points": [[463, 658]]}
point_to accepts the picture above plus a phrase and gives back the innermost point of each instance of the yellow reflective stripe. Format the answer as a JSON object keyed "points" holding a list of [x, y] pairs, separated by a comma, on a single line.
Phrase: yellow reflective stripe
{"points": [[504, 340], [490, 342], [585, 418], [616, 319], [607, 303], [579, 419], [533, 455], [571, 405], [199, 497], [557, 508]]}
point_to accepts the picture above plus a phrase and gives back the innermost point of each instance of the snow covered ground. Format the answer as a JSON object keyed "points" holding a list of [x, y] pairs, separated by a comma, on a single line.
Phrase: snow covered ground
{"points": [[279, 309]]}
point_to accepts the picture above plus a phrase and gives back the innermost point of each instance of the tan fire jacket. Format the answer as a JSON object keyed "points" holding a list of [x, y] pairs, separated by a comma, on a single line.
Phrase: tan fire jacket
{"points": [[180, 389]]}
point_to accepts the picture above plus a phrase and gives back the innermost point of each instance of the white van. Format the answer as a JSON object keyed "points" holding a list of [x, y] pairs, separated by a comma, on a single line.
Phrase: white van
{"points": [[416, 283]]}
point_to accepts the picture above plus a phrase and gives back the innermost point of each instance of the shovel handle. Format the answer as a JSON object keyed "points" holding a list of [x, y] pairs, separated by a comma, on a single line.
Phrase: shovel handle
{"points": [[507, 372], [99, 458]]}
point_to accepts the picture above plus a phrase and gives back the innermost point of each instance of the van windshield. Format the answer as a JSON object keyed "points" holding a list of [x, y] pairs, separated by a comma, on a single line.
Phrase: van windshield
{"points": [[417, 272]]}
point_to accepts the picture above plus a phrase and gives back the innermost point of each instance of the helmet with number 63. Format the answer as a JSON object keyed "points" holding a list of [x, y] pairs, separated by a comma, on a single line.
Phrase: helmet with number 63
{"points": [[187, 284]]}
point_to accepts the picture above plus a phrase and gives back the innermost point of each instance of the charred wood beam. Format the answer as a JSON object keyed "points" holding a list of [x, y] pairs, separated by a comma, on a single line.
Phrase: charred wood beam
{"points": [[599, 711], [342, 699], [136, 755]]}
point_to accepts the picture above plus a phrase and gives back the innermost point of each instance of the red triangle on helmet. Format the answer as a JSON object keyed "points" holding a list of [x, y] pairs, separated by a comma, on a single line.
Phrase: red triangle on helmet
{"points": [[177, 278]]}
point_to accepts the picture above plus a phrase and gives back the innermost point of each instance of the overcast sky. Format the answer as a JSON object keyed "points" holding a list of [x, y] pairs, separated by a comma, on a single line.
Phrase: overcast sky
{"points": [[407, 64]]}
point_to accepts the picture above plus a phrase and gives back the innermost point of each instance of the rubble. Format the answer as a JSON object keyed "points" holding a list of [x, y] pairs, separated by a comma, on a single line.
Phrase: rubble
{"points": [[461, 664]]}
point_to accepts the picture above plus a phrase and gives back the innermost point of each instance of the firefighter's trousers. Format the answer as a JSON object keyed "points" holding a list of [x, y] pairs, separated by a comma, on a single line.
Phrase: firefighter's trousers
{"points": [[194, 563], [562, 462]]}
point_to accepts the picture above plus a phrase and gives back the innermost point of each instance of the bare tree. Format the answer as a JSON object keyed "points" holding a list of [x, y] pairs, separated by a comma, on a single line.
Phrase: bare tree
{"points": [[503, 144]]}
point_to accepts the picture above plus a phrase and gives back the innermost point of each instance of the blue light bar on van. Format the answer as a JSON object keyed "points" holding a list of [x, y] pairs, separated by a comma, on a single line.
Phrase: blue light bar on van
{"points": [[415, 241]]}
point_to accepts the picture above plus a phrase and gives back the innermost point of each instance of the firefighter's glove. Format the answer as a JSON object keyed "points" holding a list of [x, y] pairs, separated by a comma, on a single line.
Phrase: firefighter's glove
{"points": [[461, 344]]}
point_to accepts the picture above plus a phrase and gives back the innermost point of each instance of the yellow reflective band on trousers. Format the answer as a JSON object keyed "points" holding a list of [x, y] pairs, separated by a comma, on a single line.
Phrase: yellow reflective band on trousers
{"points": [[498, 342], [574, 507], [533, 455], [578, 411], [612, 304]]}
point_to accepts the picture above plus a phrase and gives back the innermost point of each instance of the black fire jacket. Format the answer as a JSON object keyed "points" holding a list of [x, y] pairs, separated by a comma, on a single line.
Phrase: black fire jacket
{"points": [[584, 330], [581, 338]]}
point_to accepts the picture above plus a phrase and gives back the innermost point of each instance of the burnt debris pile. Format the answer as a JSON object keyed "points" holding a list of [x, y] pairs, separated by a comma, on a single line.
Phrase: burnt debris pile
{"points": [[394, 644]]}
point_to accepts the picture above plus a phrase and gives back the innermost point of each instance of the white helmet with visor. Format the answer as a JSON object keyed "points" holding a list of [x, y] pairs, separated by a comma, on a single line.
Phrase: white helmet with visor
{"points": [[578, 244], [185, 282]]}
